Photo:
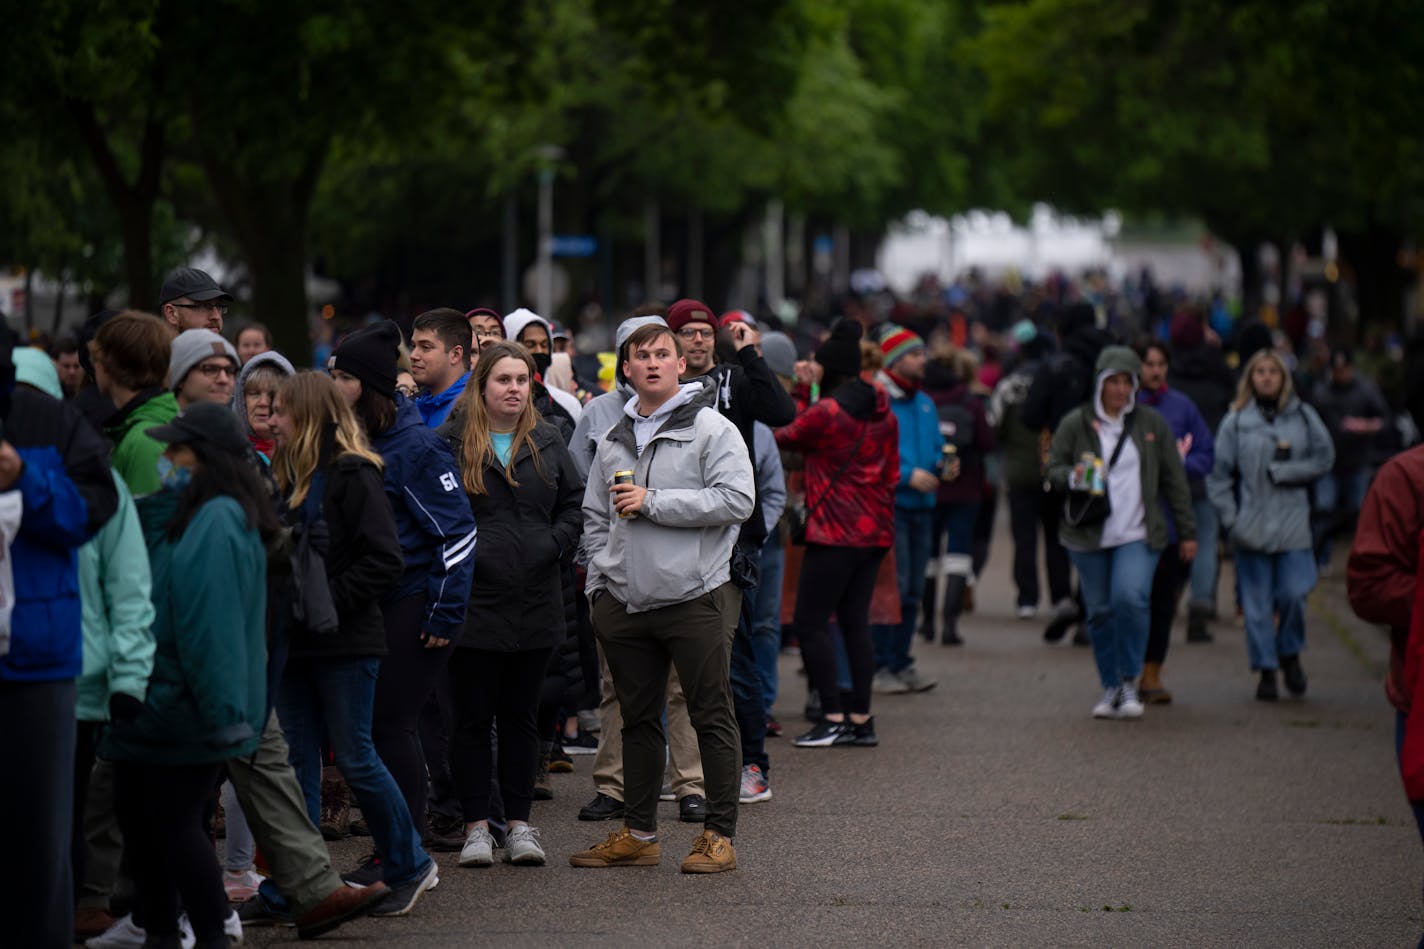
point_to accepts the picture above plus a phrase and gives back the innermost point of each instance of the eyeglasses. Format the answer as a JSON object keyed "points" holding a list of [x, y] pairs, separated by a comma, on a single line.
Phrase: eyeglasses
{"points": [[692, 332], [488, 334], [221, 308], [407, 391], [212, 369]]}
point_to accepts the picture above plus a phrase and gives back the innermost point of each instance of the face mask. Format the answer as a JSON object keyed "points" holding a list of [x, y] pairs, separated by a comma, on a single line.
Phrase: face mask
{"points": [[542, 361], [171, 476]]}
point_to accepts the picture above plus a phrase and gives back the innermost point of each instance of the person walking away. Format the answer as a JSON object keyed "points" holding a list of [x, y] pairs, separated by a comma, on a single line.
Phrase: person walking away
{"points": [[659, 545], [1270, 450], [525, 493], [1117, 450], [1195, 445], [850, 440], [1353, 411]]}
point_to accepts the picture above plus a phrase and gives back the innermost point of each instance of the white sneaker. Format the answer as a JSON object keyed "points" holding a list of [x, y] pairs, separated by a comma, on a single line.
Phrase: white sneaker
{"points": [[888, 683], [241, 885], [1026, 612], [232, 929], [122, 935], [478, 850], [1107, 705], [521, 846], [1130, 706]]}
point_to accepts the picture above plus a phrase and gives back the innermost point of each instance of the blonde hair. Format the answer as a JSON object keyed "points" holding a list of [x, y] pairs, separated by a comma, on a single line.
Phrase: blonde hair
{"points": [[315, 406], [1244, 391], [476, 446]]}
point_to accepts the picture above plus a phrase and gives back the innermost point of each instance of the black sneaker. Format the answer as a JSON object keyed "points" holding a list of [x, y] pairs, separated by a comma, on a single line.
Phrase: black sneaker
{"points": [[824, 735], [1294, 675], [863, 734], [403, 896], [370, 871], [584, 744], [692, 809], [602, 807], [1266, 691]]}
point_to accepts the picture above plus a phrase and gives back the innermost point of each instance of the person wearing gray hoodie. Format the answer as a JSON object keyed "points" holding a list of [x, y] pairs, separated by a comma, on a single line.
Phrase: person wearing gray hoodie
{"points": [[252, 397]]}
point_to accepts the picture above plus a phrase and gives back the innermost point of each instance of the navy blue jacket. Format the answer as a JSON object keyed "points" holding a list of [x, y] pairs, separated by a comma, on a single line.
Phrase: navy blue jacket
{"points": [[68, 494], [433, 518]]}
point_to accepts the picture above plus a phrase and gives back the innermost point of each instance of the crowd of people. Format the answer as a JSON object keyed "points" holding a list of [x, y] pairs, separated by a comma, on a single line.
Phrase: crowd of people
{"points": [[424, 575]]}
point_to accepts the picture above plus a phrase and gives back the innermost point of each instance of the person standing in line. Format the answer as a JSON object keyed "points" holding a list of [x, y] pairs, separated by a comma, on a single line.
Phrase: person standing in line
{"points": [[203, 368], [1195, 445], [487, 327], [525, 493], [1270, 450], [253, 340], [190, 299], [670, 485], [423, 615], [851, 442], [131, 354], [441, 342], [332, 484], [1116, 550], [252, 397], [921, 456]]}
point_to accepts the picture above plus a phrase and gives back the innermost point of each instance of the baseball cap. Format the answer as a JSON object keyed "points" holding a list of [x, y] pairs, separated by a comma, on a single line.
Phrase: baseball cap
{"points": [[192, 283], [203, 422]]}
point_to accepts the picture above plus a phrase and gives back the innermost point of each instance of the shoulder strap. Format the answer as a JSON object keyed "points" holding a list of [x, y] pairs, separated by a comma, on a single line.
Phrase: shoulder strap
{"points": [[1126, 434], [865, 427]]}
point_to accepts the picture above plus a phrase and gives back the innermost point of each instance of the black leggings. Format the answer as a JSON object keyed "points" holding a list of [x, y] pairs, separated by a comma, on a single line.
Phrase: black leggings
{"points": [[839, 579], [490, 688], [1166, 593], [160, 811], [407, 675]]}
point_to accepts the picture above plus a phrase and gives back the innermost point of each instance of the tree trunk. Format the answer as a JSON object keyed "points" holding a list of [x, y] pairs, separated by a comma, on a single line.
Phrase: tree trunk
{"points": [[1381, 284], [58, 318], [279, 290]]}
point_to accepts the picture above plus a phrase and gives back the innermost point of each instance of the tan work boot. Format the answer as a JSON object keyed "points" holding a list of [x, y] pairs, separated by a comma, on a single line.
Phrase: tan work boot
{"points": [[711, 853], [621, 849], [1150, 688]]}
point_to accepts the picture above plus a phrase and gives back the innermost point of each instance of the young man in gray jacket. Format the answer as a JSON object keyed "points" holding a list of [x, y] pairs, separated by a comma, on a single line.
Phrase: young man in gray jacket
{"points": [[658, 547]]}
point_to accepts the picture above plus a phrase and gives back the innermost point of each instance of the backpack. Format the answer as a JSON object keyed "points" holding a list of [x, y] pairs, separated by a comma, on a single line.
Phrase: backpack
{"points": [[956, 424]]}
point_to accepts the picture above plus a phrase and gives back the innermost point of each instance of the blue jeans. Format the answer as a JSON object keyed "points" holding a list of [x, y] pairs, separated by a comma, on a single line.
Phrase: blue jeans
{"points": [[955, 522], [1338, 497], [913, 540], [766, 616], [1117, 594], [1204, 568], [335, 696], [1274, 584], [747, 692]]}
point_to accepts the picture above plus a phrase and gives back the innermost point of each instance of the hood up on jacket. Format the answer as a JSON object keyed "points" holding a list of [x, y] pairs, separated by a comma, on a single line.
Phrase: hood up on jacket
{"points": [[35, 368], [515, 323], [861, 400], [1113, 361], [239, 404]]}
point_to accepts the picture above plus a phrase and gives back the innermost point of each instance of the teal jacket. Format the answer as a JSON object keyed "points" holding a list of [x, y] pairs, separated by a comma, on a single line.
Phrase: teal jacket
{"points": [[207, 696], [114, 590]]}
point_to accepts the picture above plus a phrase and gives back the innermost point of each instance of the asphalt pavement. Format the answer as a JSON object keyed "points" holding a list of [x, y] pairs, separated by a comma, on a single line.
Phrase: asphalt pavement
{"points": [[997, 812]]}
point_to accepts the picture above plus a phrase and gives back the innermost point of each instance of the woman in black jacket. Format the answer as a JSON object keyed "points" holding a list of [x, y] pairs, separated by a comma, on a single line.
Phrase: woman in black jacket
{"points": [[526, 496], [332, 483]]}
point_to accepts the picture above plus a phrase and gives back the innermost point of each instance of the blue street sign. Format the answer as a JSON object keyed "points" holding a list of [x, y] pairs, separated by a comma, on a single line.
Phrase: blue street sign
{"points": [[573, 245]]}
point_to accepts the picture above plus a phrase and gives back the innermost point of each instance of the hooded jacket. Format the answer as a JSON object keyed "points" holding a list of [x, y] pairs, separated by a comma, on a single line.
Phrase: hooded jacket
{"points": [[921, 444], [528, 534], [207, 695], [435, 409], [516, 322], [135, 453], [1161, 475], [1264, 504], [115, 590], [433, 519], [239, 394], [700, 488], [858, 508]]}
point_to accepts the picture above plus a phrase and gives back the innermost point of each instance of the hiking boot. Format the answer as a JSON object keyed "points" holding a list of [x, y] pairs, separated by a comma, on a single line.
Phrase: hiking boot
{"points": [[620, 849], [1107, 705], [1197, 619], [602, 807], [888, 683], [559, 760], [755, 787], [692, 809], [335, 805], [862, 734], [402, 897], [711, 853], [1128, 705], [371, 870], [479, 848], [452, 842], [340, 906], [956, 595], [1266, 690], [522, 847], [1294, 675], [914, 680], [824, 735]]}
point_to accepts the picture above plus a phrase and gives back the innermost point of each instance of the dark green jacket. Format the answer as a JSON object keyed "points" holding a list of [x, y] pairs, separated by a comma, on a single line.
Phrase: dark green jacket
{"points": [[1163, 476], [207, 697]]}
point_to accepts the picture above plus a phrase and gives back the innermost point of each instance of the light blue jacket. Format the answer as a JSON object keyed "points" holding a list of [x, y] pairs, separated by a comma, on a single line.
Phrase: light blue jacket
{"points": [[921, 444]]}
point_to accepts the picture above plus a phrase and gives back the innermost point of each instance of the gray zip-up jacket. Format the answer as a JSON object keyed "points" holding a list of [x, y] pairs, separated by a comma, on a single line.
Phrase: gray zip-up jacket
{"points": [[700, 490], [1264, 504]]}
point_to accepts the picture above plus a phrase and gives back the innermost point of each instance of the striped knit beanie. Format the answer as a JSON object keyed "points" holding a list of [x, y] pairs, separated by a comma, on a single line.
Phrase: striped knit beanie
{"points": [[896, 341]]}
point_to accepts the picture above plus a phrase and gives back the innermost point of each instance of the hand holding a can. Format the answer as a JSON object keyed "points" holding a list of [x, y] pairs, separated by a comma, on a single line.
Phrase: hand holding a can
{"points": [[627, 496]]}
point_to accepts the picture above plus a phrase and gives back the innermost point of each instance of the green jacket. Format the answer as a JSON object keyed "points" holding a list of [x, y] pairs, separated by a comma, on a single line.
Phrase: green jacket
{"points": [[115, 589], [207, 696], [135, 454], [1163, 475]]}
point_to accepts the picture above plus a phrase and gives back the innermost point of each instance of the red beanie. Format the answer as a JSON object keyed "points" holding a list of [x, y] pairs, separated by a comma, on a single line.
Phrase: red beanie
{"points": [[690, 311]]}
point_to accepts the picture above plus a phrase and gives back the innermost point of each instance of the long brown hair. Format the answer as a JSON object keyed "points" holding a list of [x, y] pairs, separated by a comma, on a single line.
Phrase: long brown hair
{"points": [[476, 446], [1245, 394], [315, 406]]}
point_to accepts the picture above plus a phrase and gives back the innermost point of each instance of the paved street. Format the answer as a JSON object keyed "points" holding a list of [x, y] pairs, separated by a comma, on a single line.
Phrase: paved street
{"points": [[997, 812]]}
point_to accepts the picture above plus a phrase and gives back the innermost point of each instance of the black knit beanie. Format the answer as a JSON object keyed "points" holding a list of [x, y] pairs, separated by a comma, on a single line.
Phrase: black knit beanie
{"points": [[370, 355], [840, 353]]}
